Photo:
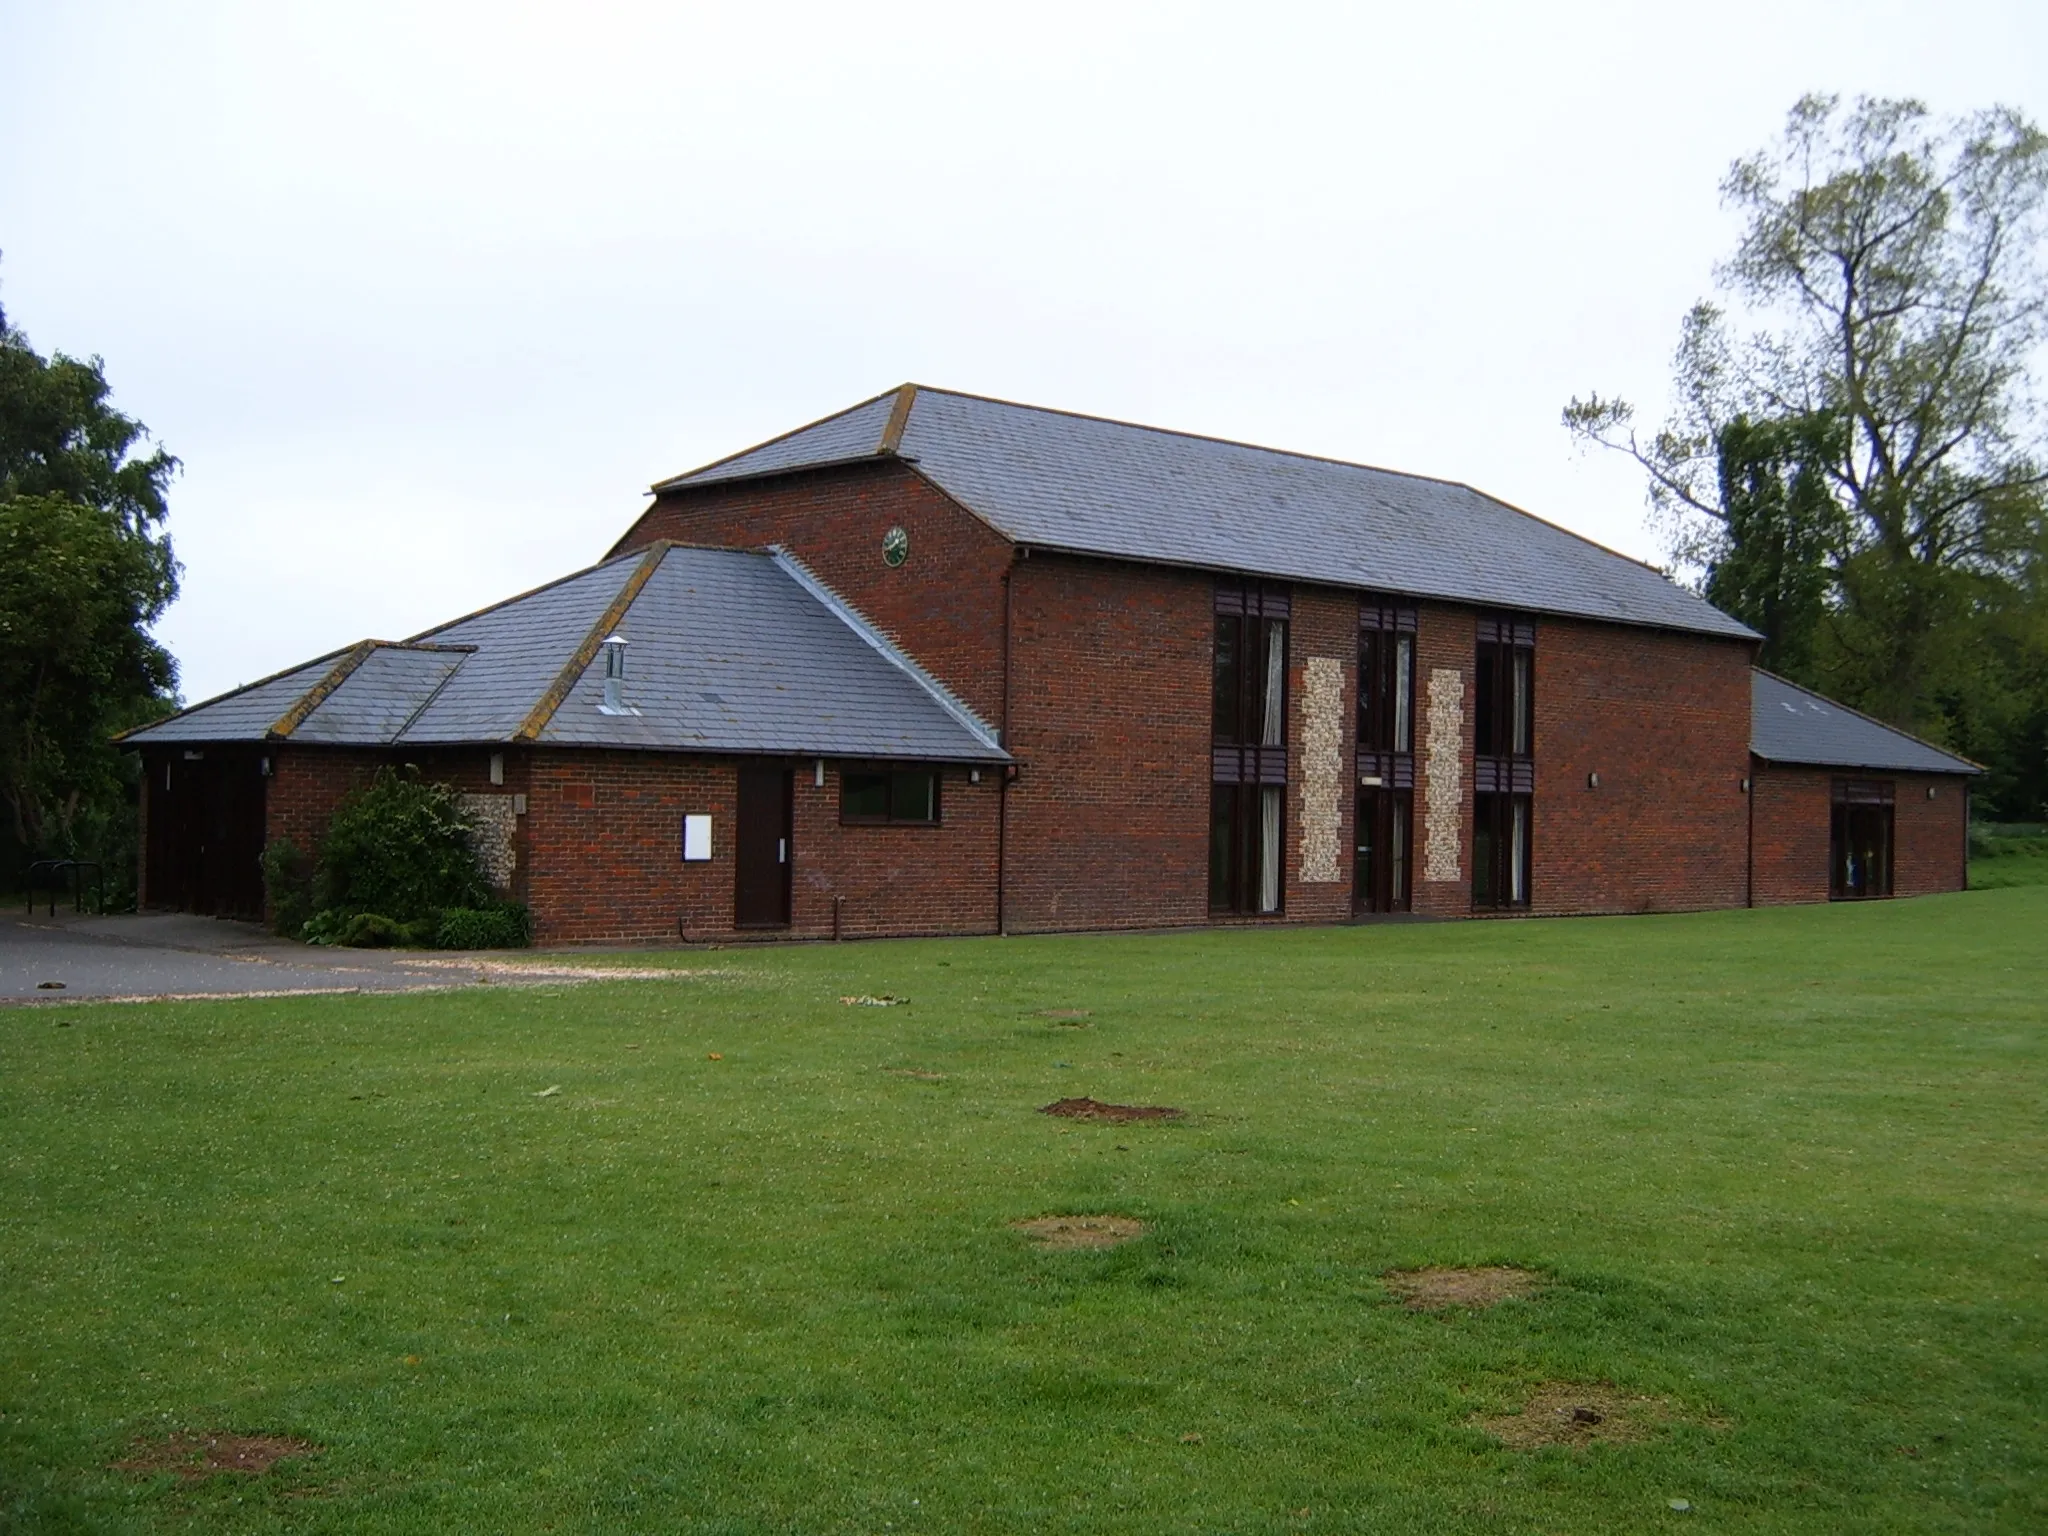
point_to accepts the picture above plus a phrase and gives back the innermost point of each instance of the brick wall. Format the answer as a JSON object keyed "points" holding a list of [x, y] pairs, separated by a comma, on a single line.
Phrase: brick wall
{"points": [[944, 604], [604, 835], [1794, 811], [306, 784], [1664, 720], [1110, 689]]}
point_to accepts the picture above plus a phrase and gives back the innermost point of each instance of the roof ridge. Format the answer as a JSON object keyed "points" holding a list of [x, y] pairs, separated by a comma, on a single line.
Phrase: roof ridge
{"points": [[891, 441], [579, 660], [1848, 709], [769, 442], [282, 727], [855, 620], [1203, 437], [1313, 458]]}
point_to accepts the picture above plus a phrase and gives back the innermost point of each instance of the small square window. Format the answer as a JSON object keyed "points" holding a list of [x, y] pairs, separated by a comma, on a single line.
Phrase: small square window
{"points": [[864, 797]]}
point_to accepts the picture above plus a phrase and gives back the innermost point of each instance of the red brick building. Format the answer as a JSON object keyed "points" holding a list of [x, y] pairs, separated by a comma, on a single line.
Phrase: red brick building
{"points": [[940, 664]]}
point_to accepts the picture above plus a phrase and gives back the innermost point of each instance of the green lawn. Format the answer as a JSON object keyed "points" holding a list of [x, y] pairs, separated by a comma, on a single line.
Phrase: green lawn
{"points": [[1782, 1169], [2009, 855]]}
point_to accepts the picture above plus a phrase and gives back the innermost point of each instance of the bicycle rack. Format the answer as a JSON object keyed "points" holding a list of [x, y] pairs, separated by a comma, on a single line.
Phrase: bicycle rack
{"points": [[51, 872]]}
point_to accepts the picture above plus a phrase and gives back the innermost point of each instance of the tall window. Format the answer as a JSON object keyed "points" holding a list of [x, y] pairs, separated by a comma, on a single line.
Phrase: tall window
{"points": [[1505, 722], [1860, 845], [1248, 755], [1504, 766], [1386, 757]]}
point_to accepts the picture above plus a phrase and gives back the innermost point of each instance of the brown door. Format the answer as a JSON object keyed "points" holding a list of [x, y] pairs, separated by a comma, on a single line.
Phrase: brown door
{"points": [[762, 848], [206, 831]]}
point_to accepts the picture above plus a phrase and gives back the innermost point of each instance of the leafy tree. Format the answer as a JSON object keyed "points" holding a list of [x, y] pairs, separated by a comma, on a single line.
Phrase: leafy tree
{"points": [[1861, 418], [85, 568], [1782, 528]]}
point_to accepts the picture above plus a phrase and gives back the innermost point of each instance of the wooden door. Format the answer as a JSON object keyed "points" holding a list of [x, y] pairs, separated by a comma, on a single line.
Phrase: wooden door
{"points": [[762, 847], [206, 831]]}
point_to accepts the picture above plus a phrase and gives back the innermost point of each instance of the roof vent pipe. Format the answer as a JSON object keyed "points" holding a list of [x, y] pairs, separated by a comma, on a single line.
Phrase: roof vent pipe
{"points": [[614, 648]]}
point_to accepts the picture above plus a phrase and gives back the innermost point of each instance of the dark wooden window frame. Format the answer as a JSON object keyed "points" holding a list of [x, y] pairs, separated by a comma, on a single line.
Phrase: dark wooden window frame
{"points": [[1496, 831], [890, 774], [1865, 803], [1243, 765], [1504, 762], [1383, 856]]}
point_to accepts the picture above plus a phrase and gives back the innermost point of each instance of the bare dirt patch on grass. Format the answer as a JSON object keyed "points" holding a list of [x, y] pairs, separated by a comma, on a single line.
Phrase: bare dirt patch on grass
{"points": [[1577, 1414], [194, 1456], [1438, 1289], [1091, 1109], [1062, 1232]]}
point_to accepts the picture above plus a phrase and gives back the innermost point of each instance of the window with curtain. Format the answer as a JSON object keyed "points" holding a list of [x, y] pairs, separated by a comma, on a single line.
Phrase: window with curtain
{"points": [[1248, 749], [1504, 764], [1385, 807]]}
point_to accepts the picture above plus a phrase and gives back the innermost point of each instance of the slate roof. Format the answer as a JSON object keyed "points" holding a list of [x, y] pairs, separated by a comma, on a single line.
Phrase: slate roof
{"points": [[1061, 481], [1790, 724], [727, 651]]}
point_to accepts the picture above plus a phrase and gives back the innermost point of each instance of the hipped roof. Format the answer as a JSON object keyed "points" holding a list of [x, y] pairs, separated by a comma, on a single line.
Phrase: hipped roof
{"points": [[1056, 480], [730, 651]]}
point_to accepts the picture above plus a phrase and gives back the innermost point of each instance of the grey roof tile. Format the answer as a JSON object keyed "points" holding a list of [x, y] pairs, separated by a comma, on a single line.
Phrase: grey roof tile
{"points": [[374, 702], [848, 434], [521, 646], [728, 651], [1790, 724], [1100, 487], [245, 714]]}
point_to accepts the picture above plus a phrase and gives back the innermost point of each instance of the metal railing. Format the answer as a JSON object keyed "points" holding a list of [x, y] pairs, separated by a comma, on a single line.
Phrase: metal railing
{"points": [[51, 873]]}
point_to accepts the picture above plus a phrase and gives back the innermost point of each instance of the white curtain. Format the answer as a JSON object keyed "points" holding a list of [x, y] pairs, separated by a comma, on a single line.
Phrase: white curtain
{"points": [[1275, 732], [1404, 669], [1518, 854], [1269, 848]]}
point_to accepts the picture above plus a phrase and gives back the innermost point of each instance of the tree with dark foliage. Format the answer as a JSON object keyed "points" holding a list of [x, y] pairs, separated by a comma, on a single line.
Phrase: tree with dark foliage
{"points": [[85, 568]]}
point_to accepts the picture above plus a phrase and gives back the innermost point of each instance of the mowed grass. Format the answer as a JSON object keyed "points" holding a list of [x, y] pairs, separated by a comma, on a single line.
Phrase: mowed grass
{"points": [[1784, 1170], [2009, 855]]}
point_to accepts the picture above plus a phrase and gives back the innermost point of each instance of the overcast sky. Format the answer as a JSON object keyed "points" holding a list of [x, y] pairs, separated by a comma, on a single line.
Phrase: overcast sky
{"points": [[425, 296]]}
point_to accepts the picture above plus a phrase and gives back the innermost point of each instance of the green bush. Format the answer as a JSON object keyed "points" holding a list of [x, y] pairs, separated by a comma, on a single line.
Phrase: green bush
{"points": [[398, 848], [502, 925], [288, 887], [368, 930]]}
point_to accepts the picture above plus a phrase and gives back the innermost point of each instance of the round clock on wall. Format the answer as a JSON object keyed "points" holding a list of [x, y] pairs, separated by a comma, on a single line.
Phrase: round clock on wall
{"points": [[895, 546]]}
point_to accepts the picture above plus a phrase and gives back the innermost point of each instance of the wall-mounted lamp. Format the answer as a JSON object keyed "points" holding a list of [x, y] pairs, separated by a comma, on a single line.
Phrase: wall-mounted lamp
{"points": [[497, 767], [1592, 781], [1930, 791], [1745, 786], [974, 775], [818, 775]]}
